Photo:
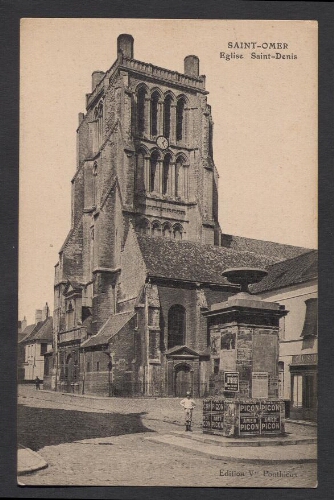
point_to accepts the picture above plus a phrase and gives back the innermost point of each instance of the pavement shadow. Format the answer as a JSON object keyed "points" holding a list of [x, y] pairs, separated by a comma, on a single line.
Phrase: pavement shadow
{"points": [[39, 427]]}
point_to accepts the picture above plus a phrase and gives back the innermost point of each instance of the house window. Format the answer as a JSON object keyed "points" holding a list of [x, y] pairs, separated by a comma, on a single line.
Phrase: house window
{"points": [[179, 119], [176, 325], [44, 348], [98, 366], [154, 113], [216, 363], [167, 114], [88, 366], [310, 328], [141, 110]]}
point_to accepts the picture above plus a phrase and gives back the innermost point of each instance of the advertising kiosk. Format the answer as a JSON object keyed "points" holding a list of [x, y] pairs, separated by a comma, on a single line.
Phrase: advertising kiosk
{"points": [[244, 340]]}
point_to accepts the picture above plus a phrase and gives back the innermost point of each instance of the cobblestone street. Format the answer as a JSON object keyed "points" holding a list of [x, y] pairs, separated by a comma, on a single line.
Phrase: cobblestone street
{"points": [[102, 442]]}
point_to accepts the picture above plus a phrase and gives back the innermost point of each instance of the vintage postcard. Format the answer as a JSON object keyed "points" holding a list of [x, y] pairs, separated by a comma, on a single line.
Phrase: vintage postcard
{"points": [[168, 253]]}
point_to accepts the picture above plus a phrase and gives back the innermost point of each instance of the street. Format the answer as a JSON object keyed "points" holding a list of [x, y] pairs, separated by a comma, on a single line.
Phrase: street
{"points": [[102, 442]]}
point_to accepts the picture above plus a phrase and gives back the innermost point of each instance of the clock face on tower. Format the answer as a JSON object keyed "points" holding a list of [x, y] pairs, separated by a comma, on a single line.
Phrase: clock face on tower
{"points": [[162, 142]]}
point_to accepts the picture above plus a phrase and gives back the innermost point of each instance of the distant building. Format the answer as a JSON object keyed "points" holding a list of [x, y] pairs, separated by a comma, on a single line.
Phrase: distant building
{"points": [[36, 341], [22, 325], [294, 284], [145, 253]]}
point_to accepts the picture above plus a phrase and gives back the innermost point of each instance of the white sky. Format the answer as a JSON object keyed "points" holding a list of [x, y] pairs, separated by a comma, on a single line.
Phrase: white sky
{"points": [[265, 126]]}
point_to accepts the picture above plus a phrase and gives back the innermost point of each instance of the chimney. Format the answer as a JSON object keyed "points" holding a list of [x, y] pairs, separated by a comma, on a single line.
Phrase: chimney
{"points": [[125, 45], [96, 78], [38, 315], [191, 66], [24, 324]]}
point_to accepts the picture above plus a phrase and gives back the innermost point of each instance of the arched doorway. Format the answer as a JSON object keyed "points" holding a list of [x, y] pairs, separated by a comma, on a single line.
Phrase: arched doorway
{"points": [[183, 380]]}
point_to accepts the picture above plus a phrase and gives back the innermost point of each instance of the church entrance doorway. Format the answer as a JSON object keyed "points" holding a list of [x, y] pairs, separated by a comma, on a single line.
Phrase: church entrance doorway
{"points": [[183, 380]]}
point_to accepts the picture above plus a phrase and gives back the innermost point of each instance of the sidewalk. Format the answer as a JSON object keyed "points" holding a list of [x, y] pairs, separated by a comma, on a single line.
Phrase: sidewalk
{"points": [[29, 461]]}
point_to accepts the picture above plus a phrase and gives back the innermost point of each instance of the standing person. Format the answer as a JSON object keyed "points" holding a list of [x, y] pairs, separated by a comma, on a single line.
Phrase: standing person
{"points": [[37, 383], [188, 405]]}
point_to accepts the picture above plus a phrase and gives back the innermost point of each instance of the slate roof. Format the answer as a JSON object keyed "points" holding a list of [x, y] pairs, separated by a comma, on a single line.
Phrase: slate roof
{"points": [[27, 331], [277, 251], [194, 262], [45, 331], [30, 330], [112, 326], [289, 272], [39, 331]]}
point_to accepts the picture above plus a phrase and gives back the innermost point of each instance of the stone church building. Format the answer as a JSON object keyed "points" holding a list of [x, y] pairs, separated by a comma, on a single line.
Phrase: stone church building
{"points": [[145, 253]]}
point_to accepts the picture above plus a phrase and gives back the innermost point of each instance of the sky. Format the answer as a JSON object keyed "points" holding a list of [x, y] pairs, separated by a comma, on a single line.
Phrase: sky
{"points": [[264, 113]]}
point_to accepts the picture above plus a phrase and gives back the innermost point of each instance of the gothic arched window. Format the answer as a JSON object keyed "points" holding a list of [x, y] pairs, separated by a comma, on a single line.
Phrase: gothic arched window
{"points": [[156, 229], [177, 232], [143, 226], [166, 174], [176, 326], [167, 230], [167, 115], [153, 172], [141, 95], [180, 119], [154, 113]]}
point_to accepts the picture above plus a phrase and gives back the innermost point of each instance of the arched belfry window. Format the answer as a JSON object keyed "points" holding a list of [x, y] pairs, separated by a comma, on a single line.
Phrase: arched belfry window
{"points": [[178, 177], [140, 172], [176, 326], [167, 115], [153, 173], [166, 174], [154, 113], [180, 119], [141, 95]]}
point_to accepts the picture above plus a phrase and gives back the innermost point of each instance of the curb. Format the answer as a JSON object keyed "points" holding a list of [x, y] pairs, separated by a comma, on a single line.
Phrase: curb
{"points": [[243, 442], [29, 461], [228, 458]]}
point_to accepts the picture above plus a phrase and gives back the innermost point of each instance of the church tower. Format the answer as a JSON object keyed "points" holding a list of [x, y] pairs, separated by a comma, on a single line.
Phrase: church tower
{"points": [[144, 159]]}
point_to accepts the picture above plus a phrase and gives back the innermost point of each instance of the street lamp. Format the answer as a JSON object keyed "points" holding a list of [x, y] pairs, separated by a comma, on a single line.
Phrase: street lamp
{"points": [[109, 374]]}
